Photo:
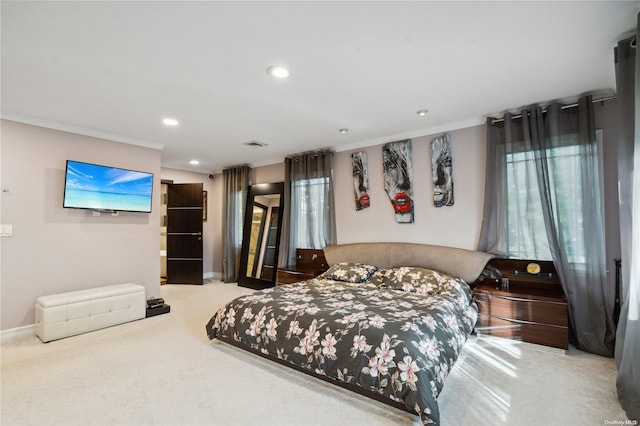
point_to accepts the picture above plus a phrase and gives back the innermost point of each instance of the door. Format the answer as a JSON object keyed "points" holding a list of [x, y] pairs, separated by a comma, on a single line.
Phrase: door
{"points": [[184, 233]]}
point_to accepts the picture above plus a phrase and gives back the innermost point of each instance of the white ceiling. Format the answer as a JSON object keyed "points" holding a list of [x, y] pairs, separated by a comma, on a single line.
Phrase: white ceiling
{"points": [[116, 69]]}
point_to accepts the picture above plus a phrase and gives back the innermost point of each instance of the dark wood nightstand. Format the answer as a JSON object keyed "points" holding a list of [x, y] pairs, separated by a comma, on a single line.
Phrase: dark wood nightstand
{"points": [[309, 264], [530, 306]]}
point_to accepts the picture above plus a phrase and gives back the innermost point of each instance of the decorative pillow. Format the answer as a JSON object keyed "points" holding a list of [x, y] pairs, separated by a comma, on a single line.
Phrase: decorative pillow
{"points": [[410, 279], [380, 278], [349, 272]]}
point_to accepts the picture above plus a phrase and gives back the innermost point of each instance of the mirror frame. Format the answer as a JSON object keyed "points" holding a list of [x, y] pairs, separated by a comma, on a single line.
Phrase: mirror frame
{"points": [[256, 190]]}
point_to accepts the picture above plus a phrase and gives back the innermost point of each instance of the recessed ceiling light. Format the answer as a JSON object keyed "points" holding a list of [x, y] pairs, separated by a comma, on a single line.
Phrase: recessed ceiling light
{"points": [[343, 130], [422, 112], [278, 71], [194, 162], [170, 122]]}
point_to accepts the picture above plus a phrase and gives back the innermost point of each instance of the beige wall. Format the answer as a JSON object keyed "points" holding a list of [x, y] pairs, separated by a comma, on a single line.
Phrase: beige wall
{"points": [[460, 224], [456, 226], [267, 174], [211, 233], [54, 249]]}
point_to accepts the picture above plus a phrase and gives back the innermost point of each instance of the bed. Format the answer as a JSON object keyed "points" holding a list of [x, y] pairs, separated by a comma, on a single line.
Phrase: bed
{"points": [[387, 320]]}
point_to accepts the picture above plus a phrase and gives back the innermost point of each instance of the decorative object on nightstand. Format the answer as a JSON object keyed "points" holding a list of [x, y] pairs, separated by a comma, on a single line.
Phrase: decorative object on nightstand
{"points": [[309, 264], [533, 268], [523, 300]]}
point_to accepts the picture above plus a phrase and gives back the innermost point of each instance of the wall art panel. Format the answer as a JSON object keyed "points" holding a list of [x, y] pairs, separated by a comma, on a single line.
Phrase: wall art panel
{"points": [[360, 179], [398, 180], [442, 171]]}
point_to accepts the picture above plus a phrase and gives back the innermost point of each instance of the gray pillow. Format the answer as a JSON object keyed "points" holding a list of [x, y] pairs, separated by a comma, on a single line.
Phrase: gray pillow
{"points": [[349, 272], [410, 279]]}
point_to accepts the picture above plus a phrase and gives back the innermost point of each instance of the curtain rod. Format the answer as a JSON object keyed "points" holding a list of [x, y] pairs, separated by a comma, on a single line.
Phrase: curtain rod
{"points": [[313, 154], [608, 98]]}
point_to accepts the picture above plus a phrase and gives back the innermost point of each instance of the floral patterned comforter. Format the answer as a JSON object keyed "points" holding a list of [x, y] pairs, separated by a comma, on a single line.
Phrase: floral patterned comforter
{"points": [[394, 337]]}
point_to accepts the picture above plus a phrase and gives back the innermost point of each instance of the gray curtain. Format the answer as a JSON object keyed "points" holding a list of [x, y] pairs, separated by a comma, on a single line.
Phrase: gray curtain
{"points": [[533, 153], [309, 219], [627, 350], [235, 186]]}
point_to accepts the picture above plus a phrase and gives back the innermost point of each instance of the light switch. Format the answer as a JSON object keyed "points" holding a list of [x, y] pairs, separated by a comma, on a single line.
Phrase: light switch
{"points": [[6, 230]]}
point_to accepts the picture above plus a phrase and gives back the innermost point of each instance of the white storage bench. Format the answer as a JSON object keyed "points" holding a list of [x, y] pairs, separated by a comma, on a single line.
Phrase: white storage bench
{"points": [[76, 312]]}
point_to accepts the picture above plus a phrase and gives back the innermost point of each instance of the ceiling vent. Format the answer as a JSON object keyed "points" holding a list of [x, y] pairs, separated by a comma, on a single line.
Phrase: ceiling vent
{"points": [[256, 144]]}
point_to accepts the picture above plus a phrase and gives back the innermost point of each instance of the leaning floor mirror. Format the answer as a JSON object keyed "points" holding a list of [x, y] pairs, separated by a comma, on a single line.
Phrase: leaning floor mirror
{"points": [[261, 236]]}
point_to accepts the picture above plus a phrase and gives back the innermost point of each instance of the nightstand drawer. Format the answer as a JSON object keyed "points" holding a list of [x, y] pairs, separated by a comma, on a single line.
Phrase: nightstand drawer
{"points": [[523, 300], [522, 309], [309, 264], [541, 334]]}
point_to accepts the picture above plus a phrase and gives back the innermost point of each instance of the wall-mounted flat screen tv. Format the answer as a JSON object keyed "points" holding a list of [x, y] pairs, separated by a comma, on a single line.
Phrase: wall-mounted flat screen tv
{"points": [[96, 187]]}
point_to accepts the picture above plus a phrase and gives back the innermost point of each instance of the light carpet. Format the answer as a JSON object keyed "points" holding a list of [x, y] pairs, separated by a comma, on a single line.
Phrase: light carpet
{"points": [[164, 371]]}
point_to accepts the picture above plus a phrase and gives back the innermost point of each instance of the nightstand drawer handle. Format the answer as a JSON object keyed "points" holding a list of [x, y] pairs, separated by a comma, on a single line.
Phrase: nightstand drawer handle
{"points": [[517, 321], [521, 299]]}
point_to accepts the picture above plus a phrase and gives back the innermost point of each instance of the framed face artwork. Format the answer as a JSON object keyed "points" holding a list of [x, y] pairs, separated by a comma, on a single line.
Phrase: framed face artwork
{"points": [[360, 180], [398, 180], [442, 171]]}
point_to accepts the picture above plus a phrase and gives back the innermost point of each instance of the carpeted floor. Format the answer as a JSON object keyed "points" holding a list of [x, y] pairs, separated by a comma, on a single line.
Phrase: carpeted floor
{"points": [[164, 371]]}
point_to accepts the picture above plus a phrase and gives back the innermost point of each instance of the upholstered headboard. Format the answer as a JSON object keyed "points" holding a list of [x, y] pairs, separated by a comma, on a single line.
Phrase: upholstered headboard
{"points": [[466, 264]]}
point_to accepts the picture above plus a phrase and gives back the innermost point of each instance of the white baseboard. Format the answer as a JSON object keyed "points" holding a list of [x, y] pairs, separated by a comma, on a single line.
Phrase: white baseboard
{"points": [[18, 333]]}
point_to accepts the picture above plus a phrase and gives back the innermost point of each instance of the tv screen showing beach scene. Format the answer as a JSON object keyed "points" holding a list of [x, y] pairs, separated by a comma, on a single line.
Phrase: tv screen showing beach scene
{"points": [[96, 187]]}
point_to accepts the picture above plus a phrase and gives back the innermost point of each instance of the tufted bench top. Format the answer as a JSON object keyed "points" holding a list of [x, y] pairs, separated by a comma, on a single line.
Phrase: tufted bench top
{"points": [[77, 296], [75, 312]]}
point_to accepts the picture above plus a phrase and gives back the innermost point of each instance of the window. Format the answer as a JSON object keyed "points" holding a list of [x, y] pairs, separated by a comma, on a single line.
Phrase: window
{"points": [[310, 214], [527, 236]]}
